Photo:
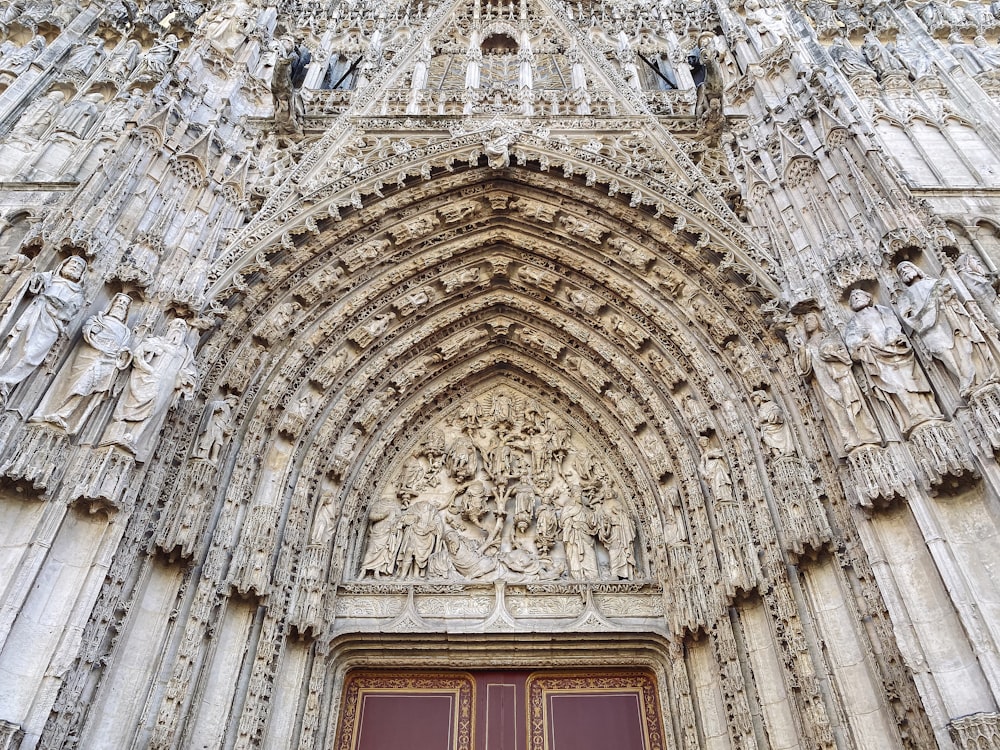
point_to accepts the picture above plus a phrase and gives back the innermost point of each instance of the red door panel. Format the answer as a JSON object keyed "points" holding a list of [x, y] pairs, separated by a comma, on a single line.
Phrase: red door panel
{"points": [[500, 710]]}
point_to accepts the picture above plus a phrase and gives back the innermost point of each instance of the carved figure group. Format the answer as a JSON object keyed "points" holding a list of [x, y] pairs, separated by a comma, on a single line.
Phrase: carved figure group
{"points": [[504, 489], [824, 357], [876, 341], [162, 371]]}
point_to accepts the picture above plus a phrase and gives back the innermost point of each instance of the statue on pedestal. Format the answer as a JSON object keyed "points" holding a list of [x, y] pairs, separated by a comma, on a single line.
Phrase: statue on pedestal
{"points": [[162, 371], [58, 299], [87, 379], [825, 358], [876, 341], [930, 308]]}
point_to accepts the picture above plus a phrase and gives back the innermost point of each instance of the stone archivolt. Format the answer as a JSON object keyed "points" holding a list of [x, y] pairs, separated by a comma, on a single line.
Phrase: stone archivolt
{"points": [[489, 373]]}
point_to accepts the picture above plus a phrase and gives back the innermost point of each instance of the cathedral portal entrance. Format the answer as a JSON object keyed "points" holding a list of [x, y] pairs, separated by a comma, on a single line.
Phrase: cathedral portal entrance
{"points": [[500, 710]]}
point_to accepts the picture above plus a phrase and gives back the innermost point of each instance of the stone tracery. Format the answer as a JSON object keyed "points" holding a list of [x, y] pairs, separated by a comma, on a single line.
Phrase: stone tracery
{"points": [[481, 358]]}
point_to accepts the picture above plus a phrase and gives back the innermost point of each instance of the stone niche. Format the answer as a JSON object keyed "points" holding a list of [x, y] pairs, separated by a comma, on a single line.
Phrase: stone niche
{"points": [[501, 488]]}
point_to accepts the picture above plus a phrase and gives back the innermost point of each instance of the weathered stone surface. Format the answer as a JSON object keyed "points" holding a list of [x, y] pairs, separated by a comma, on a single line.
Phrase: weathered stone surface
{"points": [[544, 334]]}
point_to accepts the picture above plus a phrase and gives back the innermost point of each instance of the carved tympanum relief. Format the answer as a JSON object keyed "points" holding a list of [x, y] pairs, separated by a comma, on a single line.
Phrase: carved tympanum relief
{"points": [[502, 487]]}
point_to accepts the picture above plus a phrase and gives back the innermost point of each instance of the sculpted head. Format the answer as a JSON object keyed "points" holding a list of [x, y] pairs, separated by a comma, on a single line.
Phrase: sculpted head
{"points": [[860, 299], [812, 323], [969, 263], [118, 307], [176, 331], [73, 268], [908, 272]]}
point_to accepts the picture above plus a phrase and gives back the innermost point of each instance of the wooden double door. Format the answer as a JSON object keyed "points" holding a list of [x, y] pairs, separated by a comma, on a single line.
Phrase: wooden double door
{"points": [[500, 710]]}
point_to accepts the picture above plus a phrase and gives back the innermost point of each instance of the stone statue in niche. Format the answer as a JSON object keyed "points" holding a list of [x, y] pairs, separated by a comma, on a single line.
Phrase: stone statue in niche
{"points": [[87, 379], [980, 284], [123, 62], [502, 488], [155, 64], [14, 276], [79, 115], [279, 322], [768, 28], [326, 514], [932, 310], [882, 60], [876, 340], [39, 115], [58, 299], [227, 25], [714, 469], [84, 59], [775, 432], [162, 372], [977, 57], [216, 426], [849, 59], [17, 60], [825, 359]]}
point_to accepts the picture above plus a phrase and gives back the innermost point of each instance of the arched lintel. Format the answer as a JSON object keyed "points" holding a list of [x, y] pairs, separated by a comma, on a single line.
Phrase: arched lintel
{"points": [[642, 648]]}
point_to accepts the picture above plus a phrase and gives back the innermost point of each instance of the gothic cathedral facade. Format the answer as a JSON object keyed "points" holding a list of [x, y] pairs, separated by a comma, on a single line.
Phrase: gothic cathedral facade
{"points": [[481, 374]]}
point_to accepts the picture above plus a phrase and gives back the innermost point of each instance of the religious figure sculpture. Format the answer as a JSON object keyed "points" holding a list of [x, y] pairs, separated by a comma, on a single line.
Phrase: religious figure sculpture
{"points": [[980, 284], [883, 61], [823, 17], [849, 59], [326, 514], [14, 276], [216, 426], [502, 486], [123, 62], [226, 26], [496, 145], [77, 117], [579, 525], [876, 341], [421, 538], [383, 538], [155, 64], [468, 561], [58, 299], [18, 60], [288, 107], [930, 308], [39, 115], [87, 380], [769, 28], [715, 471], [616, 530], [825, 358], [162, 372], [977, 57], [774, 430], [84, 59]]}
